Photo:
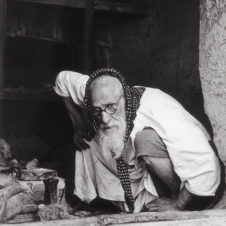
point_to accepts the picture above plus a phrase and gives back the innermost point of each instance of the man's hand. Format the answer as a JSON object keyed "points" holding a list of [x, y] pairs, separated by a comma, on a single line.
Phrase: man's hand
{"points": [[84, 133], [161, 205], [82, 126], [80, 139]]}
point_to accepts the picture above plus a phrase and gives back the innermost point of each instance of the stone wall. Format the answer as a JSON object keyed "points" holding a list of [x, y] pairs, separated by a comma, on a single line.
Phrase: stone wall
{"points": [[213, 67]]}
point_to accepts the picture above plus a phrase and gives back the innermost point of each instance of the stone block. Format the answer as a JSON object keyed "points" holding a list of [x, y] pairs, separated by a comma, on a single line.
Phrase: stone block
{"points": [[22, 218], [37, 174], [38, 190]]}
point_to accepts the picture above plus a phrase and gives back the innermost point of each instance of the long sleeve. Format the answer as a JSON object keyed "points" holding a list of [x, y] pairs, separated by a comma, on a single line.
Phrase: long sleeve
{"points": [[71, 84]]}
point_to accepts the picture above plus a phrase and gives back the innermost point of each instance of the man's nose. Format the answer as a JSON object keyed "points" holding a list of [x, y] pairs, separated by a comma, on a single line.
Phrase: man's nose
{"points": [[105, 117]]}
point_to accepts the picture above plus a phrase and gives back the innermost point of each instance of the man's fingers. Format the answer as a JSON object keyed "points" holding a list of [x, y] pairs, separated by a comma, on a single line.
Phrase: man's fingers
{"points": [[77, 146], [83, 144], [92, 132], [153, 208], [88, 137], [80, 142]]}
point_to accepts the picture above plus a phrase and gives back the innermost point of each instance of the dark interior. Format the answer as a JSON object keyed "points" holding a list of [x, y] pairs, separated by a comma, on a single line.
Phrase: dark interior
{"points": [[158, 50]]}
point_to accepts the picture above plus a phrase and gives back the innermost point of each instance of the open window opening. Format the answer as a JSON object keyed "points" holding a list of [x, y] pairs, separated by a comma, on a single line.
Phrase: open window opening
{"points": [[153, 43]]}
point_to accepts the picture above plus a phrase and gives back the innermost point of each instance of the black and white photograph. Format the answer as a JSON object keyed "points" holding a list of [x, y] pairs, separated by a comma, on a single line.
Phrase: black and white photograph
{"points": [[113, 112]]}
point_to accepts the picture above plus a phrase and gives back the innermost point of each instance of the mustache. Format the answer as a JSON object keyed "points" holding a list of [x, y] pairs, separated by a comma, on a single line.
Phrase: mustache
{"points": [[104, 127]]}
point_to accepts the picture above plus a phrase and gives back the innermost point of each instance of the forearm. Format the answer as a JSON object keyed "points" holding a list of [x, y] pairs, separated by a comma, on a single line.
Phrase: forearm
{"points": [[73, 112]]}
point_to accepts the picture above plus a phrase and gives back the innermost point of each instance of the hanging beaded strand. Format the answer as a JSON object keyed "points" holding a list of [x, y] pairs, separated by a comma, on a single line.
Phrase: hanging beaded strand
{"points": [[123, 175]]}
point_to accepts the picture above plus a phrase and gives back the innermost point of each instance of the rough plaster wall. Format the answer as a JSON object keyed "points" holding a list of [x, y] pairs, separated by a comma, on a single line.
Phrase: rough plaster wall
{"points": [[213, 67], [163, 51]]}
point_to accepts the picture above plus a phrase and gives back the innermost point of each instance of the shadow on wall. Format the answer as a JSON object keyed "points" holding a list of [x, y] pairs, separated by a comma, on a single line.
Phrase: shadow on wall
{"points": [[162, 51]]}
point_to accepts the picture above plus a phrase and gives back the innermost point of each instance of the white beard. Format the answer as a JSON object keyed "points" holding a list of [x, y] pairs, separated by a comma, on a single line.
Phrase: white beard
{"points": [[112, 140]]}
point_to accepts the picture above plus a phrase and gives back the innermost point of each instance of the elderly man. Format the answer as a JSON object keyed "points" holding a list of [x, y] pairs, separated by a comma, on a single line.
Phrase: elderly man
{"points": [[137, 145]]}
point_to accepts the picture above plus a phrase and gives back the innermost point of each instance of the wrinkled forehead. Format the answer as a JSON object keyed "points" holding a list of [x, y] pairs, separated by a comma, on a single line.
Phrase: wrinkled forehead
{"points": [[104, 90]]}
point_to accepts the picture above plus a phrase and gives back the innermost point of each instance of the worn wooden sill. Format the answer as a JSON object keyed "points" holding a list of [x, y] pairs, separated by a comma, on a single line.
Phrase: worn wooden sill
{"points": [[199, 218]]}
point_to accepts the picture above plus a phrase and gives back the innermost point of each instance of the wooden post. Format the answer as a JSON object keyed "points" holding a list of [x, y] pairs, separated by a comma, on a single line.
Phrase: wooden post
{"points": [[87, 35], [2, 39]]}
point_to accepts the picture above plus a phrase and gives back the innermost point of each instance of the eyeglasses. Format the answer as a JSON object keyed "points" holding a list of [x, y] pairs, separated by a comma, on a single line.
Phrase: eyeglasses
{"points": [[109, 109]]}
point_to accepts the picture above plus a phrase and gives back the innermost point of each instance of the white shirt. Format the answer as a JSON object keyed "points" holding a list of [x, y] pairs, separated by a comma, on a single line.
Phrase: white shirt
{"points": [[185, 138], [71, 84]]}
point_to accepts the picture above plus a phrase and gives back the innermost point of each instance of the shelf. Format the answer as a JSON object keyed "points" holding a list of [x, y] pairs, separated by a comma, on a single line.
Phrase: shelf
{"points": [[28, 94], [113, 6]]}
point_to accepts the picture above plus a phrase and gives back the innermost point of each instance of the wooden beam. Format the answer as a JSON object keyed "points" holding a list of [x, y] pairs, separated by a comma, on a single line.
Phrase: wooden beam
{"points": [[98, 5], [44, 37], [87, 35], [148, 218], [41, 22], [2, 39], [28, 94]]}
